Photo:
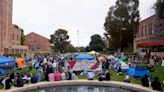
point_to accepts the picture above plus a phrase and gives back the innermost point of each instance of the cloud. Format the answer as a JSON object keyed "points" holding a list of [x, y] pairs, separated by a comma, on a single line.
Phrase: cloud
{"points": [[46, 16]]}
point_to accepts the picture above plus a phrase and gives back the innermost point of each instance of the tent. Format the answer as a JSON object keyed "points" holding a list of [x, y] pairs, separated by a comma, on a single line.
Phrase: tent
{"points": [[124, 58], [101, 58], [4, 60], [138, 72], [84, 57], [2, 71], [93, 53], [162, 63], [111, 57], [20, 62], [124, 66]]}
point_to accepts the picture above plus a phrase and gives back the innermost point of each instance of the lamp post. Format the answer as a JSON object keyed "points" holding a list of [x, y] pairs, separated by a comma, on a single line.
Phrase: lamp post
{"points": [[78, 40]]}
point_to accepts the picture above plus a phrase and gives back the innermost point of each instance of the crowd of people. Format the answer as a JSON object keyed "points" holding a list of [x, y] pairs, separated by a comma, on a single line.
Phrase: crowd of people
{"points": [[54, 69]]}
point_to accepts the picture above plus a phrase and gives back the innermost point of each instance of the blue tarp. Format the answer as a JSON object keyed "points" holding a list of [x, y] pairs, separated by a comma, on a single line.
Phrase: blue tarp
{"points": [[2, 71], [84, 57], [138, 72], [4, 60]]}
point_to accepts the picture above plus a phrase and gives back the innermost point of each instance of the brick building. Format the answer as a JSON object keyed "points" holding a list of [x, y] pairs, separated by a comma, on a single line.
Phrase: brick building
{"points": [[150, 36], [37, 43], [7, 44]]}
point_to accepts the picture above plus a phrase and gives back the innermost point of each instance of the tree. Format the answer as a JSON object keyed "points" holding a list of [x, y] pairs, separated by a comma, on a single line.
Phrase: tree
{"points": [[159, 7], [60, 40], [158, 28], [22, 37], [122, 23], [96, 43], [70, 48]]}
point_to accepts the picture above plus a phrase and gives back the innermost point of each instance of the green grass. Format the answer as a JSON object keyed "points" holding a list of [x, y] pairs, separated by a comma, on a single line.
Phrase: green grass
{"points": [[159, 71]]}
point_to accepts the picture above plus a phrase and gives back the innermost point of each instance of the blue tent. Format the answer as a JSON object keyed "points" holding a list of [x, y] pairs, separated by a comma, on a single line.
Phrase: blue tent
{"points": [[2, 71], [138, 72], [4, 60], [84, 57]]}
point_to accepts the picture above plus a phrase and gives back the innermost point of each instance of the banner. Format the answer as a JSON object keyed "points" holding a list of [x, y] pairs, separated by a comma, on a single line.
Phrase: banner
{"points": [[84, 65]]}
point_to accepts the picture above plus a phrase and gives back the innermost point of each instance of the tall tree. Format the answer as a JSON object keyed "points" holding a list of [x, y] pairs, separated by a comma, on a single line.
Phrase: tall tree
{"points": [[122, 23], [22, 37], [70, 48], [158, 26], [60, 40], [96, 43]]}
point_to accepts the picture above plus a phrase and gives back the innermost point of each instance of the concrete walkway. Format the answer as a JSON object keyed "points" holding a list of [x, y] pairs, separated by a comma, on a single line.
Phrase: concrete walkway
{"points": [[129, 86]]}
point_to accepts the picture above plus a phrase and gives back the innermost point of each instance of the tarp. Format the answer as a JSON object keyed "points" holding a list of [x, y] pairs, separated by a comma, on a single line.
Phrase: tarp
{"points": [[2, 71], [4, 60], [124, 66], [21, 62], [138, 72], [124, 58], [93, 53], [84, 57]]}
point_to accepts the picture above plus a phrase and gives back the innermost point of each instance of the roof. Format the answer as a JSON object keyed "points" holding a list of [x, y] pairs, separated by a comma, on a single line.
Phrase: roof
{"points": [[37, 35]]}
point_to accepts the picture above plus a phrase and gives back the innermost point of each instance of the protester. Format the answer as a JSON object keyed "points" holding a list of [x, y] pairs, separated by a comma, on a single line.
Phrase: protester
{"points": [[107, 75], [58, 76], [63, 75], [145, 81], [51, 77], [127, 79], [100, 76], [156, 85], [90, 75], [8, 82], [34, 79], [39, 75], [74, 76]]}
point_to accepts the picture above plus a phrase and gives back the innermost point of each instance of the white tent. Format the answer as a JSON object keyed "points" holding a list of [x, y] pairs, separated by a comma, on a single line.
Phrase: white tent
{"points": [[124, 66], [162, 63], [111, 57]]}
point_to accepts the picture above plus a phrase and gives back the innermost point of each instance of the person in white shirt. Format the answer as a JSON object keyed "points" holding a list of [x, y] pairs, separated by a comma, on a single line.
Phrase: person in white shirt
{"points": [[63, 75], [54, 66], [90, 75]]}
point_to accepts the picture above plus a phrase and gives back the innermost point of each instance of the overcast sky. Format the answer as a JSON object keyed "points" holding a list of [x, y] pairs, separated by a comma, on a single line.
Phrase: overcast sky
{"points": [[45, 16]]}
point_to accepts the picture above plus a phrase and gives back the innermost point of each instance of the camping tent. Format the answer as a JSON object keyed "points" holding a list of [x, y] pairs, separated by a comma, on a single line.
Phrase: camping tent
{"points": [[2, 71], [84, 57], [111, 57], [138, 72], [93, 53], [101, 58], [123, 65], [7, 63], [124, 58], [4, 60], [21, 62]]}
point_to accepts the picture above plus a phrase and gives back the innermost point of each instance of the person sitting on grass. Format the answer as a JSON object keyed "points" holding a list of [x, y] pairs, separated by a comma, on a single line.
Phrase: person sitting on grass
{"points": [[90, 75], [156, 85], [100, 76], [145, 81], [107, 75], [8, 82], [127, 79], [34, 79], [74, 76]]}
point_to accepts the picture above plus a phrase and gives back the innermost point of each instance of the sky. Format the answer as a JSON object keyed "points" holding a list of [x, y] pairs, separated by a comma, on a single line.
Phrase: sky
{"points": [[88, 16]]}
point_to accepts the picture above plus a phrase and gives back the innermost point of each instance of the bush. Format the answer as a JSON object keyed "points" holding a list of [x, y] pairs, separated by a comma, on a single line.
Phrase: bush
{"points": [[15, 55]]}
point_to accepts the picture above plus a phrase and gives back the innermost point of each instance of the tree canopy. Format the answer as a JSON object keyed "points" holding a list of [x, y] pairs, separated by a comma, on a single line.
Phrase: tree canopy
{"points": [[96, 43], [60, 40], [122, 23]]}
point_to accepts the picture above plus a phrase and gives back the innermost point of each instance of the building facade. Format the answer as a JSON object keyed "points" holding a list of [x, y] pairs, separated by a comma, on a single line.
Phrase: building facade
{"points": [[150, 36], [7, 44], [37, 43]]}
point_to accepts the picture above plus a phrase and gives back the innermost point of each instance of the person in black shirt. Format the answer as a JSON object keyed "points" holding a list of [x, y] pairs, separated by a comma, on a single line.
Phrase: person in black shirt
{"points": [[156, 85], [145, 81]]}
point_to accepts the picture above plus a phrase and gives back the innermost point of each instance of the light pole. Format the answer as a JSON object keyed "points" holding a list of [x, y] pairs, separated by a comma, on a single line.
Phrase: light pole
{"points": [[78, 40]]}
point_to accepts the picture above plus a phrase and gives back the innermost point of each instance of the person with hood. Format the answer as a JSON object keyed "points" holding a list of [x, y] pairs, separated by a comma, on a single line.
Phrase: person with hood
{"points": [[145, 81]]}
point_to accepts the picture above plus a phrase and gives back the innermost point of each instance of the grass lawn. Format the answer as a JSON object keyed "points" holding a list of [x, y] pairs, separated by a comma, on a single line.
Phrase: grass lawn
{"points": [[159, 71]]}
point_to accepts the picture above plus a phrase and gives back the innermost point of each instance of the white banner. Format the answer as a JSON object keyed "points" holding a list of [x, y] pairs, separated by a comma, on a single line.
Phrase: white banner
{"points": [[85, 65]]}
